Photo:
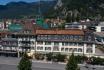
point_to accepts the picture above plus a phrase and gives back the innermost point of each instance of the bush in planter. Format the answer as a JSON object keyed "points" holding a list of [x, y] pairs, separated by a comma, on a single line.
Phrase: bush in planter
{"points": [[49, 56], [56, 57], [80, 59], [97, 61], [60, 57], [39, 56]]}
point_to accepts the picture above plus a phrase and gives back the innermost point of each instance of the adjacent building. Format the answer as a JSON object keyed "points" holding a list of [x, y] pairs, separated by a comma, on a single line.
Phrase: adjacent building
{"points": [[100, 27], [75, 25]]}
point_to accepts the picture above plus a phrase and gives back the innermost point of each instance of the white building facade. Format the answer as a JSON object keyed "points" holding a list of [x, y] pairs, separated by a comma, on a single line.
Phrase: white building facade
{"points": [[66, 48], [100, 27], [64, 43], [54, 41]]}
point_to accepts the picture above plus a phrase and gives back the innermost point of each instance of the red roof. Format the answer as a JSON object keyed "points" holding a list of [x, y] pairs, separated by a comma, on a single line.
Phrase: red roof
{"points": [[3, 33], [60, 32]]}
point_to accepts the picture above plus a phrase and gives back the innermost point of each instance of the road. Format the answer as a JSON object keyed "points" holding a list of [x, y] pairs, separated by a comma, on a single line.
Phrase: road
{"points": [[9, 63]]}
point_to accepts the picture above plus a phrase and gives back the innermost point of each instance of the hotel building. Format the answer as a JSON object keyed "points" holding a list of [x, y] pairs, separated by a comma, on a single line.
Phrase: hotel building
{"points": [[65, 41]]}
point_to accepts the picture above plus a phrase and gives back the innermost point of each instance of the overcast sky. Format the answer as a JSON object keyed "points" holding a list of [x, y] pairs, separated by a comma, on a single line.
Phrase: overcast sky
{"points": [[3, 2]]}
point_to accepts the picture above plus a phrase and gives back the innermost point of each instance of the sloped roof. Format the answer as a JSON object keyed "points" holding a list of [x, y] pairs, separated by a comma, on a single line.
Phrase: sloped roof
{"points": [[60, 32], [100, 34]]}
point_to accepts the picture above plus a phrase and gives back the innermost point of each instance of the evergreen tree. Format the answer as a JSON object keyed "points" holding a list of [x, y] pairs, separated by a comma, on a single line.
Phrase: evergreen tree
{"points": [[72, 63], [25, 63]]}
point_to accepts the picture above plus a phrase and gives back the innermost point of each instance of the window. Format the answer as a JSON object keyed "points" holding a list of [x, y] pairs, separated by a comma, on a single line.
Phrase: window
{"points": [[79, 49], [66, 44], [63, 44], [60, 37], [80, 44], [89, 50], [32, 42], [70, 49], [80, 38], [38, 37], [32, 48], [71, 37], [48, 48], [64, 37], [56, 37], [45, 36], [75, 49], [47, 43], [89, 38], [39, 48], [56, 43], [67, 37], [66, 49], [55, 48], [52, 37], [89, 45], [40, 43], [98, 39], [49, 37], [74, 44], [76, 37], [62, 49], [102, 28], [71, 44]]}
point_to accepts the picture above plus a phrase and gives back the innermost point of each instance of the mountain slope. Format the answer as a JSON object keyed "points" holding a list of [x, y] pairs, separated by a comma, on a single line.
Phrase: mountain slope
{"points": [[23, 9], [72, 10], [79, 9]]}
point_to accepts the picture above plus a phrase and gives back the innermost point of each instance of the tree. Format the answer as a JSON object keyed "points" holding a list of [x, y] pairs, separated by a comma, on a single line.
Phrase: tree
{"points": [[72, 63], [25, 63]]}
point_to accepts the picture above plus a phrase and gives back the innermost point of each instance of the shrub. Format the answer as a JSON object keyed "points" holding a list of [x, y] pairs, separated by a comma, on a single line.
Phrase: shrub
{"points": [[80, 59], [97, 61], [49, 56], [39, 56], [56, 57], [60, 57]]}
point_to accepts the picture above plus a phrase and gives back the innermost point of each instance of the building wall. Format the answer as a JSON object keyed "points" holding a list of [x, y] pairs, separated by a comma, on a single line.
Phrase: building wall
{"points": [[98, 28], [9, 45], [55, 47], [53, 43], [78, 48], [30, 46]]}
